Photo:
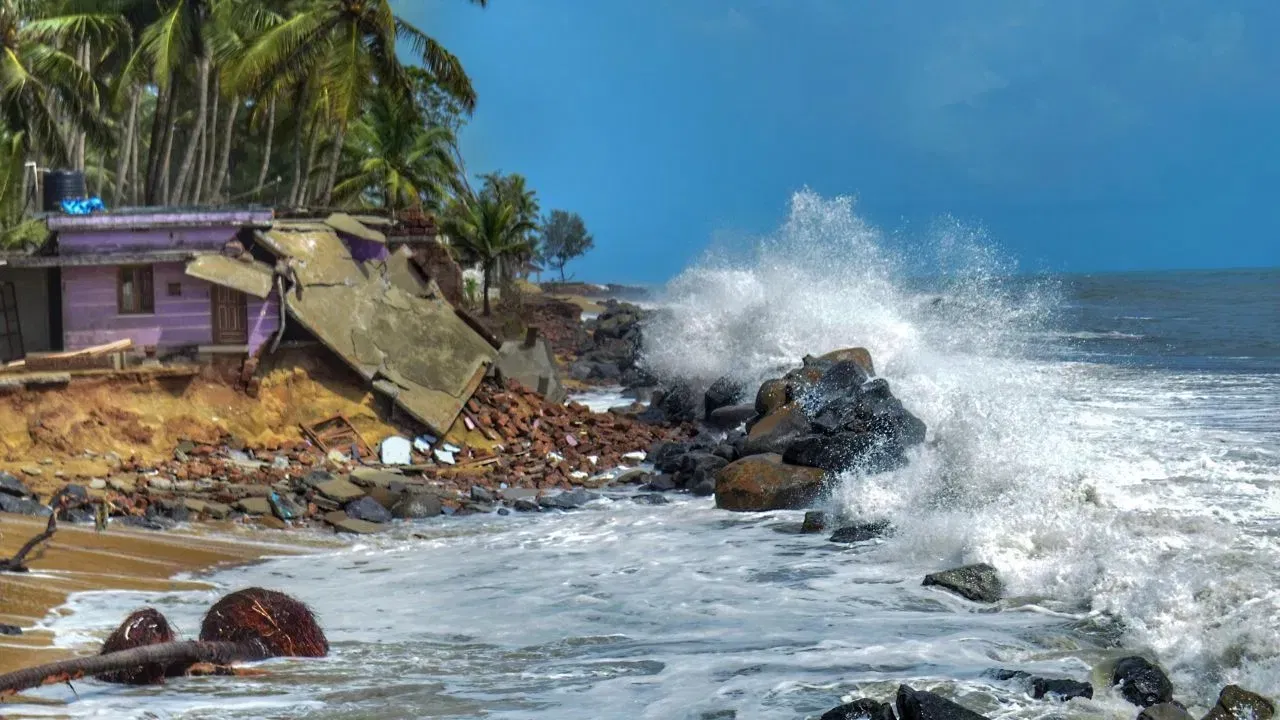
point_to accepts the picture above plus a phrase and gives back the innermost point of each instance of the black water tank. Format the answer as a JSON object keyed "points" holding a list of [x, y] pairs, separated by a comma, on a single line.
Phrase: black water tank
{"points": [[62, 185]]}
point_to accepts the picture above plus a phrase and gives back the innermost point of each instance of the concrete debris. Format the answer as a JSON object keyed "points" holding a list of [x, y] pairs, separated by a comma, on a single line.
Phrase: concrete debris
{"points": [[396, 451], [249, 277], [446, 457]]}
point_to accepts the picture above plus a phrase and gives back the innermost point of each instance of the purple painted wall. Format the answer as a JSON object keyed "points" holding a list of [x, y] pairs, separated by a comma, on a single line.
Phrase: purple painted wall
{"points": [[90, 313], [79, 242], [362, 250]]}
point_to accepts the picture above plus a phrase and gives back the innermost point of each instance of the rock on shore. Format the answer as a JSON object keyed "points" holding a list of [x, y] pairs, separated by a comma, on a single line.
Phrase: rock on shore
{"points": [[764, 482]]}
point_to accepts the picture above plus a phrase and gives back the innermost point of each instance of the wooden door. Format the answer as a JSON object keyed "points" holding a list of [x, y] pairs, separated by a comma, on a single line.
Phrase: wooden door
{"points": [[230, 317], [10, 329]]}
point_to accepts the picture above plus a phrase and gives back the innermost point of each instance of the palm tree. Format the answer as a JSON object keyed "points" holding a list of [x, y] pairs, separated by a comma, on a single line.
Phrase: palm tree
{"points": [[346, 42], [486, 230], [41, 83], [404, 164], [15, 229]]}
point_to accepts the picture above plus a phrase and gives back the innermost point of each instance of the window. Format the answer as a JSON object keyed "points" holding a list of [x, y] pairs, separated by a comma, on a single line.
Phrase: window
{"points": [[134, 292], [175, 289]]}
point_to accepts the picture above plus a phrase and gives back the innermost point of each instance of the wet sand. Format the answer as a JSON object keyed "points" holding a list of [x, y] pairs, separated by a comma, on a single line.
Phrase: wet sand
{"points": [[80, 559]]}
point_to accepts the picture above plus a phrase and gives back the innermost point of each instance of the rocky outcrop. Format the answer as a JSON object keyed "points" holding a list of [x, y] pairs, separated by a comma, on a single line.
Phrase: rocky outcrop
{"points": [[611, 348], [980, 582], [831, 415], [860, 709], [1165, 711], [765, 482], [1142, 682], [1236, 702], [923, 705]]}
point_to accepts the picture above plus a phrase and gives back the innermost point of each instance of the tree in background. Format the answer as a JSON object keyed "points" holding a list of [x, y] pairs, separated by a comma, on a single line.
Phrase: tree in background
{"points": [[564, 237], [486, 231]]}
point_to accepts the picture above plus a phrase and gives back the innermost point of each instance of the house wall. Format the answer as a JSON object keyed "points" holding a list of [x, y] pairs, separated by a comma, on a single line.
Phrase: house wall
{"points": [[31, 286], [362, 250], [102, 241], [91, 317]]}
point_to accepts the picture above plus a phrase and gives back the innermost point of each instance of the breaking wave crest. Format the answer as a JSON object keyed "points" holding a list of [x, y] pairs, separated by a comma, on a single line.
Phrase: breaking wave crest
{"points": [[1063, 475]]}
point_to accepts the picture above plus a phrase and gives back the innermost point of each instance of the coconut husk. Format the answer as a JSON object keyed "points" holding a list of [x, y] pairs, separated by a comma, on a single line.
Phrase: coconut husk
{"points": [[143, 627], [281, 625]]}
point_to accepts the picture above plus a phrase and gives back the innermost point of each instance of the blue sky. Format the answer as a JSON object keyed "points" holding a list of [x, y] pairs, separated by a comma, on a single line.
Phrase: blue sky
{"points": [[1086, 135]]}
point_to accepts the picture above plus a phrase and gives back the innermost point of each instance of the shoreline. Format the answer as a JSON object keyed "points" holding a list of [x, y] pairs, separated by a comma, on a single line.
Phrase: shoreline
{"points": [[139, 560]]}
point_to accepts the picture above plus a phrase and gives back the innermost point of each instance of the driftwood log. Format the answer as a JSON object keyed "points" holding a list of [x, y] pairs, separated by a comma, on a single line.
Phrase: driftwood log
{"points": [[17, 562], [170, 654]]}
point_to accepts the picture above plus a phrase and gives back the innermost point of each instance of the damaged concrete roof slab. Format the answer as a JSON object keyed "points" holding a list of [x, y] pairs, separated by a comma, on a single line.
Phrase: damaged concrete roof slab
{"points": [[412, 348], [251, 278], [344, 223]]}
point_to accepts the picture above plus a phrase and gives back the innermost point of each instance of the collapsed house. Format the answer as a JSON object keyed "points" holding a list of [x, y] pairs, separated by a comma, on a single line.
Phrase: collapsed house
{"points": [[127, 288]]}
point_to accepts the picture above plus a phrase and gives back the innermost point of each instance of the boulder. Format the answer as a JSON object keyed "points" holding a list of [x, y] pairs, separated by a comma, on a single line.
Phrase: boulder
{"points": [[21, 505], [677, 404], [763, 482], [924, 705], [815, 521], [856, 354], [703, 488], [845, 450], [1141, 682], [6, 629], [417, 506], [771, 396], [11, 485], [568, 500], [340, 490], [650, 499], [526, 505], [284, 507], [775, 432], [660, 483], [173, 510], [217, 510], [860, 709], [980, 582], [722, 393], [1235, 702], [1060, 689], [253, 506], [1165, 711], [367, 509], [728, 417], [860, 532], [353, 526], [701, 466]]}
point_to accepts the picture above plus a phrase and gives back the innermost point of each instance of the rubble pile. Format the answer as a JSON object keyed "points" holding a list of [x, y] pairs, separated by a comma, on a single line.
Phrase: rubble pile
{"points": [[513, 450]]}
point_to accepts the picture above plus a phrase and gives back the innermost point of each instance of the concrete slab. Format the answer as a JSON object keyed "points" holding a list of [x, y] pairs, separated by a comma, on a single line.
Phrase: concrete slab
{"points": [[251, 278]]}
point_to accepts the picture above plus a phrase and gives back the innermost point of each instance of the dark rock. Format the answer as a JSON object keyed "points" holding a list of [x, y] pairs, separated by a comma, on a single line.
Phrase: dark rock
{"points": [[368, 510], [146, 523], [860, 709], [1235, 702], [10, 485], [503, 511], [482, 494], [668, 457], [526, 505], [700, 466], [1141, 682], [173, 510], [1060, 689], [1165, 711], [6, 629], [841, 378], [284, 507], [815, 521], [924, 705], [22, 505], [678, 403], [650, 499], [726, 451], [637, 378], [581, 370], [661, 483], [568, 500], [317, 477], [417, 506], [856, 354], [1004, 675], [842, 451], [731, 416], [606, 371], [775, 432], [980, 583], [771, 396], [764, 482], [722, 393], [861, 532], [703, 488], [71, 495], [76, 515]]}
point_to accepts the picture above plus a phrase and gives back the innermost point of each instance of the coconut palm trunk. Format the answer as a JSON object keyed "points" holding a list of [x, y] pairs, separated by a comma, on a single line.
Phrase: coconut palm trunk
{"points": [[196, 138], [126, 147], [221, 180], [266, 151], [334, 158]]}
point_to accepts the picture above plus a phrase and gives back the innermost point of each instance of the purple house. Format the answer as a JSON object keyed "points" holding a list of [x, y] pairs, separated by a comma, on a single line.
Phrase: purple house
{"points": [[167, 279]]}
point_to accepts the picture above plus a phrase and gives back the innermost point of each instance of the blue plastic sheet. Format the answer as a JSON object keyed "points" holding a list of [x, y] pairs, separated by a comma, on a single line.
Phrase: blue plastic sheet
{"points": [[83, 206]]}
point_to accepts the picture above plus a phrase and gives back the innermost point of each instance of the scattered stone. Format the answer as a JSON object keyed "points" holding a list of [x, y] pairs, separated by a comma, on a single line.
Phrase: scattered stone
{"points": [[11, 485], [217, 510], [22, 506], [1060, 689], [1165, 711], [764, 482], [568, 500], [815, 521], [980, 582], [285, 507], [417, 506], [194, 505], [704, 488], [860, 709], [77, 515], [367, 509], [861, 532], [6, 629], [924, 705], [145, 523], [1141, 682], [32, 470], [1235, 702], [650, 499], [122, 484], [635, 476], [254, 506], [396, 450], [97, 484], [357, 527], [480, 493], [161, 484], [339, 490], [169, 510], [525, 505], [661, 483]]}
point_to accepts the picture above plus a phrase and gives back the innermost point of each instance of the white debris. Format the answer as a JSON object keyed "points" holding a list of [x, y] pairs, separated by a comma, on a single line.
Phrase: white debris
{"points": [[396, 451], [636, 456], [423, 443], [555, 457], [445, 456]]}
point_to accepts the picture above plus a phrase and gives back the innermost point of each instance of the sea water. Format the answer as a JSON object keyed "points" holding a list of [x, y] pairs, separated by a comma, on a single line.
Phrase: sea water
{"points": [[1109, 442]]}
